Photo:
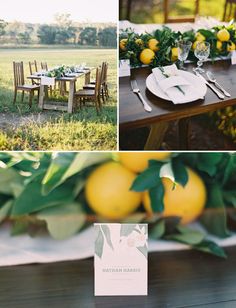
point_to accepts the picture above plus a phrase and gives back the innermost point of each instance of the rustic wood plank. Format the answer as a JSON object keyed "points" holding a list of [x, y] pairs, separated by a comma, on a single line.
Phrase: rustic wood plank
{"points": [[176, 279], [156, 136]]}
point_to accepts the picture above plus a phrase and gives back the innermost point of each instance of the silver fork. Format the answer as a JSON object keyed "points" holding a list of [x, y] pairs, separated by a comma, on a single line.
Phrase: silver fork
{"points": [[136, 90]]}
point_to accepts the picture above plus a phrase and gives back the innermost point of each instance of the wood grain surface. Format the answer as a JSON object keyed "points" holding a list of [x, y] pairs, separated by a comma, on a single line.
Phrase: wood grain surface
{"points": [[176, 279], [132, 114]]}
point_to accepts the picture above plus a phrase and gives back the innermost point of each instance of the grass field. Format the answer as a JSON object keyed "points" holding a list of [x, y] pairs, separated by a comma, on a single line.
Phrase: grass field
{"points": [[22, 128], [154, 14]]}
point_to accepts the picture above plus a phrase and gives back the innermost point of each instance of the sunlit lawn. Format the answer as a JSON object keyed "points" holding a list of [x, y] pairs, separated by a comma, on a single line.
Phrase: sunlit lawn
{"points": [[142, 13], [84, 130]]}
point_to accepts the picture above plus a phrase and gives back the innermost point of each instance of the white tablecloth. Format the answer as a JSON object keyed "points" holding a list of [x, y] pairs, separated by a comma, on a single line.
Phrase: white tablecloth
{"points": [[23, 249]]}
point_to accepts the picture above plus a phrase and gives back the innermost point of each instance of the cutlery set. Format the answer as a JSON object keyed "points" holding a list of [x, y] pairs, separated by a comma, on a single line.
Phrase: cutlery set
{"points": [[211, 82]]}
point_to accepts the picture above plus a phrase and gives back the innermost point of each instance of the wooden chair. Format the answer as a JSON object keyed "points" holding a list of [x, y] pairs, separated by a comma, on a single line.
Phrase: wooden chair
{"points": [[229, 10], [128, 9], [33, 68], [104, 84], [19, 83], [175, 19], [84, 95]]}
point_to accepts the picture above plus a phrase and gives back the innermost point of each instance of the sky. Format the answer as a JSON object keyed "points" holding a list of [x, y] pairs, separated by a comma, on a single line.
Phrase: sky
{"points": [[43, 11]]}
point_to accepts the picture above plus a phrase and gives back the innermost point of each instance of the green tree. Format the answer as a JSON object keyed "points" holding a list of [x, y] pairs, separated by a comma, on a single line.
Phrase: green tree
{"points": [[88, 36], [47, 34], [65, 29], [107, 37], [3, 25]]}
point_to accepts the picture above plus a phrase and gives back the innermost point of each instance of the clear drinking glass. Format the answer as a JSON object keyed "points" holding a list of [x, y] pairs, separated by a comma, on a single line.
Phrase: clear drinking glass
{"points": [[202, 52], [183, 52]]}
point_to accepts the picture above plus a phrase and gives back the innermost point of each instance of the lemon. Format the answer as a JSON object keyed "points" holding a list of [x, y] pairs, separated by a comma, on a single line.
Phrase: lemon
{"points": [[107, 191], [138, 161], [153, 44], [186, 202], [174, 54], [139, 42], [123, 43], [231, 47], [199, 37], [146, 56], [194, 46], [223, 35], [219, 45]]}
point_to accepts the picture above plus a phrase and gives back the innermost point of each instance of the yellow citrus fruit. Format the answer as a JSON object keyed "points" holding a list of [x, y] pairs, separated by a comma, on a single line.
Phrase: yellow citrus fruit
{"points": [[186, 202], [153, 44], [194, 45], [219, 45], [138, 161], [231, 46], [123, 43], [107, 191], [223, 35], [199, 37], [146, 56], [174, 54], [139, 42]]}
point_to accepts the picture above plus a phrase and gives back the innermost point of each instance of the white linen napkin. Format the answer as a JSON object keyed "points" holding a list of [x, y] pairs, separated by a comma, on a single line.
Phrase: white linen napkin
{"points": [[176, 87]]}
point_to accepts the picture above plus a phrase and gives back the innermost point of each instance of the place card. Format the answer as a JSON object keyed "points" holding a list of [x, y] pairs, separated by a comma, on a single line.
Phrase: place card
{"points": [[47, 81], [120, 259], [124, 68], [233, 57]]}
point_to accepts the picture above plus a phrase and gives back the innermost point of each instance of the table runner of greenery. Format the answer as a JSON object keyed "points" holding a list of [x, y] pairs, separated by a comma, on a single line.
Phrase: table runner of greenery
{"points": [[37, 189], [163, 44]]}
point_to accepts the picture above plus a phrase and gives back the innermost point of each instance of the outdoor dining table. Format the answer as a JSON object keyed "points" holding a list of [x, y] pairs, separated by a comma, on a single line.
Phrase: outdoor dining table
{"points": [[43, 104], [132, 114], [176, 279]]}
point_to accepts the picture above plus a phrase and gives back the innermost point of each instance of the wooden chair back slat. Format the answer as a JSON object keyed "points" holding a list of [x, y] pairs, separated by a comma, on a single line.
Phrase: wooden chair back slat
{"points": [[229, 10], [168, 19], [18, 69], [98, 82], [33, 67], [44, 66]]}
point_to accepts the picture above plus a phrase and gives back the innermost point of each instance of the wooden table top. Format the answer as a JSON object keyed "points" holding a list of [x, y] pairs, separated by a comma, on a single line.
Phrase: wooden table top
{"points": [[176, 279], [133, 115]]}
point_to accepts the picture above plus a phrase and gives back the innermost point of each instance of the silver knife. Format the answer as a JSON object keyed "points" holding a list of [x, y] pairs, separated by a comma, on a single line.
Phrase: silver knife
{"points": [[220, 95], [136, 90]]}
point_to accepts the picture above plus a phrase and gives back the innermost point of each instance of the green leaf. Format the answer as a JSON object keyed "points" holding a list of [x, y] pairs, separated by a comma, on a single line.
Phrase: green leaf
{"points": [[214, 217], [126, 229], [187, 236], [156, 195], [32, 200], [208, 162], [20, 226], [99, 243], [179, 171], [8, 177], [211, 247], [147, 179], [65, 165], [107, 234], [63, 220], [158, 230], [5, 210]]}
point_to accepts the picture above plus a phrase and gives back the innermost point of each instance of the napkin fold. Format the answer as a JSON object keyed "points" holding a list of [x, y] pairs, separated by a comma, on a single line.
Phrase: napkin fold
{"points": [[176, 87]]}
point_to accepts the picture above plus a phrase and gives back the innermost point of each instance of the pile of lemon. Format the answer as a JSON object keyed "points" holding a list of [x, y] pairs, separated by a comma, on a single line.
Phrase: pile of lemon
{"points": [[222, 35], [108, 191]]}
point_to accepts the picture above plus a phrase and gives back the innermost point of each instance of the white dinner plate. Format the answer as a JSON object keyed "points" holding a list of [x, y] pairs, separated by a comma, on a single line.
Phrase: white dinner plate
{"points": [[198, 84]]}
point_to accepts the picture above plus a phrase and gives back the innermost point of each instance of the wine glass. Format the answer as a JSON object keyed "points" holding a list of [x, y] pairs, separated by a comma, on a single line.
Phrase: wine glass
{"points": [[183, 52], [202, 52]]}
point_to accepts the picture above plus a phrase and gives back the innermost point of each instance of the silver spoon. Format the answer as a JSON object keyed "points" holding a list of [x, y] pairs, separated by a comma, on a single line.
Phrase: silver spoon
{"points": [[212, 79]]}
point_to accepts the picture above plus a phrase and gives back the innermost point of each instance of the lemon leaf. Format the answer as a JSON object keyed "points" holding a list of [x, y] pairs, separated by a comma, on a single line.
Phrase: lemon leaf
{"points": [[63, 220]]}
